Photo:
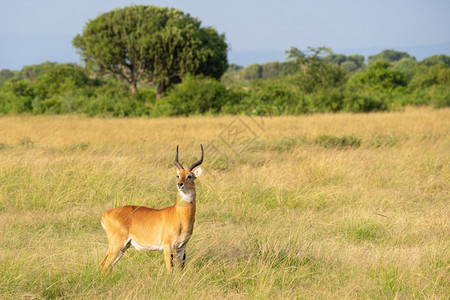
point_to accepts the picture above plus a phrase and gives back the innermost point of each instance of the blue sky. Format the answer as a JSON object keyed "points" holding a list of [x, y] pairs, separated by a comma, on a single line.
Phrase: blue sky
{"points": [[34, 31]]}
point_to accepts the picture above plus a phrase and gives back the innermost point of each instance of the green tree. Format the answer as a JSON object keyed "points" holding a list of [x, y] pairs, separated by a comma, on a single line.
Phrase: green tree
{"points": [[379, 77], [232, 75], [60, 79], [349, 63], [314, 70], [426, 77], [357, 59], [216, 62], [6, 74], [436, 59], [16, 96], [388, 55], [31, 72], [337, 59], [310, 58], [349, 66], [251, 72], [151, 44], [273, 70], [234, 68], [408, 66]]}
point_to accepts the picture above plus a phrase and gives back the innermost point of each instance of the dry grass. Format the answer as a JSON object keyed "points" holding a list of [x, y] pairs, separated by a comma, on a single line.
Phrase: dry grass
{"points": [[317, 206]]}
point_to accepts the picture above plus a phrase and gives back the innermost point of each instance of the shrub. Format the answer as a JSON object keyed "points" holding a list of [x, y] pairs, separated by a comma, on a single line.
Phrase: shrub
{"points": [[440, 96], [275, 97], [237, 100], [364, 101], [426, 77], [379, 77], [436, 60], [408, 66], [160, 108], [59, 79], [5, 75], [197, 95], [16, 96], [327, 100]]}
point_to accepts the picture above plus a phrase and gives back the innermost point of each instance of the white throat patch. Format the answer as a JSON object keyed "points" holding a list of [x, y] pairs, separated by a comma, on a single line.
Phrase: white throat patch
{"points": [[187, 196]]}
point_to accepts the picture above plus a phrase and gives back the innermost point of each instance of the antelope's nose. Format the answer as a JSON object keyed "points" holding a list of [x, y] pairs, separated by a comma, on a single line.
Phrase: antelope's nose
{"points": [[180, 184]]}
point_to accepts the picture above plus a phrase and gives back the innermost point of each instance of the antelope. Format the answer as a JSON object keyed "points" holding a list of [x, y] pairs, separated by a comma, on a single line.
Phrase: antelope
{"points": [[168, 229]]}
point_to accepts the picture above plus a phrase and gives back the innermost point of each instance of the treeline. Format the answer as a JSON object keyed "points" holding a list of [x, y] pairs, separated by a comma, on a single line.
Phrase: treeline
{"points": [[314, 80]]}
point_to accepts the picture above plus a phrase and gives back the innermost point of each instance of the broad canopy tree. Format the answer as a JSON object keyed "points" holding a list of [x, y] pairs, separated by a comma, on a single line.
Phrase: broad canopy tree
{"points": [[388, 55], [314, 71], [156, 45]]}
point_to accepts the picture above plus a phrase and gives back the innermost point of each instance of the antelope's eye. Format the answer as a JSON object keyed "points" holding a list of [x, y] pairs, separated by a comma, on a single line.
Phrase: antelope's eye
{"points": [[178, 176], [189, 177]]}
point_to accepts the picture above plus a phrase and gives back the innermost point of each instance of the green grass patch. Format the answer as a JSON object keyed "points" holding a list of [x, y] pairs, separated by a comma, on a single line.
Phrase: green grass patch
{"points": [[344, 142], [364, 230]]}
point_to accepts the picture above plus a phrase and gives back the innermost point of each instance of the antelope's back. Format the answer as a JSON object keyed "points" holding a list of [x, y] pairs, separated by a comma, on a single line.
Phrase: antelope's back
{"points": [[135, 221]]}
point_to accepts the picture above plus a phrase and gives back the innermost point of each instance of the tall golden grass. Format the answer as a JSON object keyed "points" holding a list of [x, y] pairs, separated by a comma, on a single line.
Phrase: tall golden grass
{"points": [[315, 206]]}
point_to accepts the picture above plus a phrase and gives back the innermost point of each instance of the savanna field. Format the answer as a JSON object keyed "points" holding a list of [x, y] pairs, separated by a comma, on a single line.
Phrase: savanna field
{"points": [[327, 206]]}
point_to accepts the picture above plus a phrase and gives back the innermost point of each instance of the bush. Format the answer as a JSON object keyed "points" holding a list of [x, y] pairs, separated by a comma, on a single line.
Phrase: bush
{"points": [[237, 100], [197, 95], [16, 96], [275, 97], [59, 79], [440, 96], [160, 108], [5, 75], [408, 66], [379, 77], [113, 98], [426, 77], [436, 60], [326, 100], [319, 85], [364, 102]]}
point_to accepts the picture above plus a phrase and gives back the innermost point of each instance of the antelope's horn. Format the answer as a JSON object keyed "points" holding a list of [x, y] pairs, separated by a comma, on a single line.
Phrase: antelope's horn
{"points": [[198, 163], [177, 163]]}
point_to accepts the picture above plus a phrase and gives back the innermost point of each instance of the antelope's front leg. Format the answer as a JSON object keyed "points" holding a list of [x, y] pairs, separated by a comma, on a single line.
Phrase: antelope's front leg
{"points": [[168, 257], [181, 256]]}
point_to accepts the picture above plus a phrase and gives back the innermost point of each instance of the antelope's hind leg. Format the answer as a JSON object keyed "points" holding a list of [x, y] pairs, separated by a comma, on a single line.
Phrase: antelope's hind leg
{"points": [[112, 257], [102, 263]]}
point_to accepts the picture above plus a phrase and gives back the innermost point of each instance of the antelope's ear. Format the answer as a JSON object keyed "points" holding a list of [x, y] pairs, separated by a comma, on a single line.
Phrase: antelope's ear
{"points": [[197, 172]]}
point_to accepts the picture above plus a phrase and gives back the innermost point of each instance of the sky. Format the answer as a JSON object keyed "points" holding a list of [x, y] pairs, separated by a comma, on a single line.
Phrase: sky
{"points": [[32, 31]]}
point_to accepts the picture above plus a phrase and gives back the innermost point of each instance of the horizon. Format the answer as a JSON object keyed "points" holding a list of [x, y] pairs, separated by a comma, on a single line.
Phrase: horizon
{"points": [[240, 58]]}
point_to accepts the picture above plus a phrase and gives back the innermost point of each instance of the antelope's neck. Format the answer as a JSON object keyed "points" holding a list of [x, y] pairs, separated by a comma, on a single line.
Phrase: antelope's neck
{"points": [[185, 209], [186, 198]]}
